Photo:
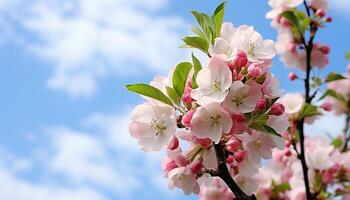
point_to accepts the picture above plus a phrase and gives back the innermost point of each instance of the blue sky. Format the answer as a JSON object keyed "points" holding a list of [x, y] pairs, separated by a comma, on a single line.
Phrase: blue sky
{"points": [[63, 107]]}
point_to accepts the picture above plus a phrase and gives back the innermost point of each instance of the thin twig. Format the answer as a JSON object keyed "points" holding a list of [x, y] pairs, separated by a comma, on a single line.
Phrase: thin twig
{"points": [[225, 175]]}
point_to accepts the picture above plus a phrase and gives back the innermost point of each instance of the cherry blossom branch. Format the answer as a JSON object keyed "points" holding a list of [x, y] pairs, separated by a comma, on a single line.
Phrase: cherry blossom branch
{"points": [[308, 98], [224, 174], [347, 127]]}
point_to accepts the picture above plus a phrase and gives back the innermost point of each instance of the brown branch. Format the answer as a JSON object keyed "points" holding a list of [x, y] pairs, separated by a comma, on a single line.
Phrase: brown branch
{"points": [[308, 98], [225, 175]]}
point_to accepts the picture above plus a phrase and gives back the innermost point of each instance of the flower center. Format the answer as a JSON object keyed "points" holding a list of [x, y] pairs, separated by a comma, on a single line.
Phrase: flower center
{"points": [[216, 86], [227, 51], [158, 126], [214, 120], [251, 48], [238, 100]]}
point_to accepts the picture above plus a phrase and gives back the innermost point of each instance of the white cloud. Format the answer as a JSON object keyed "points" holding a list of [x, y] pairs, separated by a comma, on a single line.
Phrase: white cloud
{"points": [[14, 188], [89, 161], [86, 40], [342, 5]]}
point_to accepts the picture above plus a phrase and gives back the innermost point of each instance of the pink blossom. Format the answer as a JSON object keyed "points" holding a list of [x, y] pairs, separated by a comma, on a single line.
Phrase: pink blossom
{"points": [[319, 4], [211, 121], [241, 97], [213, 188], [186, 119], [153, 126], [184, 179], [213, 82], [254, 70]]}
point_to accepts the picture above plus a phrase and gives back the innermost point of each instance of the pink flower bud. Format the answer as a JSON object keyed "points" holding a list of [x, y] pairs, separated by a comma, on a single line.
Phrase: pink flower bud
{"points": [[287, 152], [277, 109], [170, 166], [241, 59], [292, 76], [196, 166], [327, 177], [325, 49], [186, 97], [287, 174], [204, 142], [230, 64], [233, 145], [181, 160], [261, 104], [285, 22], [329, 19], [174, 143], [239, 156], [287, 143], [254, 70], [230, 159], [327, 106], [320, 13], [186, 119], [335, 168]]}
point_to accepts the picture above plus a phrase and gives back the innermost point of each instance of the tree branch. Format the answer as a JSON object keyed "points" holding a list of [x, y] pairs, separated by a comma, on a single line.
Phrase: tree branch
{"points": [[225, 175], [308, 99]]}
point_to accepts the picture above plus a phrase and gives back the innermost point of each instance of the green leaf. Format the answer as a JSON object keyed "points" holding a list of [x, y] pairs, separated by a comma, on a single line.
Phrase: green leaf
{"points": [[347, 55], [333, 76], [197, 66], [270, 130], [149, 91], [333, 94], [309, 110], [173, 95], [197, 42], [281, 187], [205, 23], [198, 32], [218, 16], [291, 17], [337, 143], [180, 77]]}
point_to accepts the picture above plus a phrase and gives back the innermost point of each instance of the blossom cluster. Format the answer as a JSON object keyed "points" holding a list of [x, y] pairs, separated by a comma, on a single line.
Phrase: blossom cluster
{"points": [[291, 25], [231, 103], [329, 168]]}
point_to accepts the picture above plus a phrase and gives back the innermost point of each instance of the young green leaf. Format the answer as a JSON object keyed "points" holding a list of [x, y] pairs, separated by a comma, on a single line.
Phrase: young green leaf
{"points": [[270, 130], [173, 95], [333, 76], [291, 17], [218, 17], [281, 187], [206, 24], [333, 94], [197, 66], [180, 77], [149, 91], [347, 55], [197, 42], [309, 110], [198, 32]]}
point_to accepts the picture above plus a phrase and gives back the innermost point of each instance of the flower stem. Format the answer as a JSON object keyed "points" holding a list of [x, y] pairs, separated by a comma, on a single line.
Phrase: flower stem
{"points": [[225, 175]]}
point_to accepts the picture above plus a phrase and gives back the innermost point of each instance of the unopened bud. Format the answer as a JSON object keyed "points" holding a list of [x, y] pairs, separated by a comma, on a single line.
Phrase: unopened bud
{"points": [[241, 59], [325, 49], [233, 145], [320, 13], [292, 76], [327, 106], [196, 166], [186, 119], [261, 104], [174, 143], [239, 156], [329, 19], [277, 109], [254, 70]]}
